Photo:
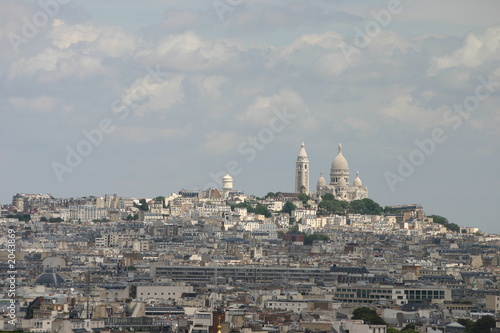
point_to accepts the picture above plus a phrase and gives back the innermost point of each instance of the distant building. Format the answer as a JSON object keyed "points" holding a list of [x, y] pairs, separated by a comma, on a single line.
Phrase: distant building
{"points": [[339, 179], [302, 172], [493, 303], [227, 185]]}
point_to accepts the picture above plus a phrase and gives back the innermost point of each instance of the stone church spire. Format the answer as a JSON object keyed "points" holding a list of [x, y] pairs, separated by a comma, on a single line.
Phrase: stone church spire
{"points": [[302, 172]]}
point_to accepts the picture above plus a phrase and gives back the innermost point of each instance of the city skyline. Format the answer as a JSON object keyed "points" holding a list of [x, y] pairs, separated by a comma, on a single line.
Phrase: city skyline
{"points": [[150, 98]]}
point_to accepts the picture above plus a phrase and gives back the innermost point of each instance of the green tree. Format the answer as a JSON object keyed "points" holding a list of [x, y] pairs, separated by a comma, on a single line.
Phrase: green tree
{"points": [[409, 328], [43, 219], [328, 196], [444, 222], [288, 207], [20, 217], [331, 206], [368, 316], [392, 330], [304, 198], [132, 217], [262, 210], [372, 207], [161, 199], [484, 324], [143, 205], [467, 323], [390, 210], [309, 239], [365, 206]]}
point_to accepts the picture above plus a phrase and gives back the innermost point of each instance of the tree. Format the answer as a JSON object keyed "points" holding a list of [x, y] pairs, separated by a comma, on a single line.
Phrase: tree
{"points": [[328, 196], [331, 206], [20, 217], [130, 217], [288, 207], [262, 210], [368, 316], [392, 330], [484, 324], [444, 222], [409, 328], [160, 199], [467, 323], [390, 210], [143, 205], [43, 219], [309, 239], [304, 197], [365, 206]]}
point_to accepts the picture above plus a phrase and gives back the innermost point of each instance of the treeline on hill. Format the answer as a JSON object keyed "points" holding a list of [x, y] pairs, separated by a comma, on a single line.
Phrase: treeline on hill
{"points": [[330, 205], [444, 222], [20, 217], [258, 209]]}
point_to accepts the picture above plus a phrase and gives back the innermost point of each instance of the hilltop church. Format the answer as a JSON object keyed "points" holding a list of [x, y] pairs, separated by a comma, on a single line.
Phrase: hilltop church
{"points": [[339, 179]]}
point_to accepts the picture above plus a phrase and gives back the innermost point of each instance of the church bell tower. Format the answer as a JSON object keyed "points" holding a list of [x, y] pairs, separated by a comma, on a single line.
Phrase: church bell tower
{"points": [[302, 172]]}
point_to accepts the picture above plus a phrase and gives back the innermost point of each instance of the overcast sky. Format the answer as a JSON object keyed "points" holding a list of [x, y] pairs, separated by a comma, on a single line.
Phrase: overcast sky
{"points": [[144, 98]]}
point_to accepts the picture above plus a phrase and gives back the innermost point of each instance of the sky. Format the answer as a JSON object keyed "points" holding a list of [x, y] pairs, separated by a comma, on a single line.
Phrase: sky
{"points": [[145, 98]]}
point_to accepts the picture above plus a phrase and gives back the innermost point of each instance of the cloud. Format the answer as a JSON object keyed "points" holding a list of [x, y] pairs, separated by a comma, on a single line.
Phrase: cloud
{"points": [[146, 95], [220, 142], [387, 42], [190, 53], [321, 52], [404, 109], [42, 103], [212, 85], [53, 64], [476, 50], [103, 41], [359, 124], [264, 108]]}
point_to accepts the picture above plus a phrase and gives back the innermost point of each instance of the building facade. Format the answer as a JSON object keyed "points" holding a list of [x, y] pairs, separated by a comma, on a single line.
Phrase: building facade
{"points": [[302, 172], [339, 179]]}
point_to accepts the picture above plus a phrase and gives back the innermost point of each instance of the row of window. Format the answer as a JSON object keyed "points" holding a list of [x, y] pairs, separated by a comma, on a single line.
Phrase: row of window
{"points": [[411, 294], [379, 291]]}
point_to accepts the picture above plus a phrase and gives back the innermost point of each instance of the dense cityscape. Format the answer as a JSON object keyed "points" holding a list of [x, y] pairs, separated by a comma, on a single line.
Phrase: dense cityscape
{"points": [[328, 259], [249, 166]]}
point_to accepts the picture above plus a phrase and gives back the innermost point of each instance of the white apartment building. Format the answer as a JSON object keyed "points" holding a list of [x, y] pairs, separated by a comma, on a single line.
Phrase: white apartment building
{"points": [[87, 213]]}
